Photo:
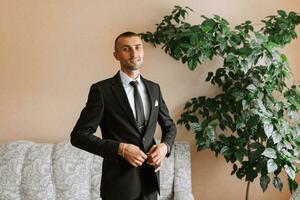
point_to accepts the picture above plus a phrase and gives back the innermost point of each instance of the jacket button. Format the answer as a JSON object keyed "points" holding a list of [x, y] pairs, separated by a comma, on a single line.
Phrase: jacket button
{"points": [[144, 139]]}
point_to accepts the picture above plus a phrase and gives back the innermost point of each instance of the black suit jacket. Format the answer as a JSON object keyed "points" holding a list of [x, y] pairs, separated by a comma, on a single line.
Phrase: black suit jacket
{"points": [[108, 106]]}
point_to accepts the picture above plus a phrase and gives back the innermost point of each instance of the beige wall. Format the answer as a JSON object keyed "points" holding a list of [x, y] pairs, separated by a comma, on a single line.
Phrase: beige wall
{"points": [[51, 51]]}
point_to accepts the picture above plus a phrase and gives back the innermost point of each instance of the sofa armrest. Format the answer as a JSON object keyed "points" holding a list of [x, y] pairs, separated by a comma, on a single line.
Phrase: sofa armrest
{"points": [[182, 176]]}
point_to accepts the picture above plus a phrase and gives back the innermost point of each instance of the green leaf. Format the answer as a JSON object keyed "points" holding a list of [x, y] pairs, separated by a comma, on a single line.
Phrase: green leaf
{"points": [[256, 154], [246, 51], [282, 13], [283, 58], [196, 126], [234, 169], [269, 153], [276, 137], [256, 145], [191, 118], [261, 38], [202, 145], [209, 75], [293, 185], [211, 133], [288, 145], [240, 173], [293, 115], [239, 155], [208, 25], [194, 39], [277, 183], [251, 88], [290, 171], [272, 166], [223, 45], [268, 128], [185, 45], [192, 64], [250, 174], [187, 126], [264, 182], [188, 105], [244, 66], [224, 149]]}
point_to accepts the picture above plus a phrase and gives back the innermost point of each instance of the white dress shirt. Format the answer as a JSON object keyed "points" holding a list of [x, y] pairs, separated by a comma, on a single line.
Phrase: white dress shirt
{"points": [[130, 93]]}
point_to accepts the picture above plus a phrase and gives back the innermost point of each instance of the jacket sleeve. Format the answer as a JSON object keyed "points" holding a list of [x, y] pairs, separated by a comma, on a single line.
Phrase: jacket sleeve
{"points": [[166, 123], [82, 135]]}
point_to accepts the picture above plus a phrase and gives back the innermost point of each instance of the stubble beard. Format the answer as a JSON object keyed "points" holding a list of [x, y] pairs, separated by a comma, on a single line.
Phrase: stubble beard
{"points": [[133, 67]]}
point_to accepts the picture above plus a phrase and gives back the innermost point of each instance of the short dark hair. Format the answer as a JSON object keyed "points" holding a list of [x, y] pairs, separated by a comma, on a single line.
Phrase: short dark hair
{"points": [[125, 34]]}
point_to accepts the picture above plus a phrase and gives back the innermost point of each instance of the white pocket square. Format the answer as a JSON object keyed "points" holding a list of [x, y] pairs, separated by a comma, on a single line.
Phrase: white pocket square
{"points": [[156, 103]]}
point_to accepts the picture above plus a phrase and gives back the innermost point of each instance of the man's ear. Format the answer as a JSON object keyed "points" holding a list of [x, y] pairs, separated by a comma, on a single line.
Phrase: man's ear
{"points": [[116, 56]]}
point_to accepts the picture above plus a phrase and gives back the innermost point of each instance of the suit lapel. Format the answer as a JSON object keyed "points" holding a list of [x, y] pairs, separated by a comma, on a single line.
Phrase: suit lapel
{"points": [[120, 94], [150, 92]]}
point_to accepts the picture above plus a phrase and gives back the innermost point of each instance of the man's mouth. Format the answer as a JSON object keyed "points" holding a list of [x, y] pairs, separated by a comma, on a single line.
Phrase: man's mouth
{"points": [[135, 60]]}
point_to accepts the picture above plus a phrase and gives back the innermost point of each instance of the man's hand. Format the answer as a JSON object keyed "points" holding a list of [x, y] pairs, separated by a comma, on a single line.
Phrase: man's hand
{"points": [[156, 155], [132, 153]]}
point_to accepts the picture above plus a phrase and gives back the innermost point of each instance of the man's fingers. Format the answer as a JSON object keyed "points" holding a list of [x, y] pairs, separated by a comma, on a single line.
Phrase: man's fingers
{"points": [[154, 158], [158, 167], [135, 156], [157, 160], [153, 154], [133, 164], [161, 160], [152, 149], [143, 155], [140, 159], [157, 152], [138, 163], [151, 163]]}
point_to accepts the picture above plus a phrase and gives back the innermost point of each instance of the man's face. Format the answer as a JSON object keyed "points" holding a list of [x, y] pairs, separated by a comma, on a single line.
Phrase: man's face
{"points": [[129, 51]]}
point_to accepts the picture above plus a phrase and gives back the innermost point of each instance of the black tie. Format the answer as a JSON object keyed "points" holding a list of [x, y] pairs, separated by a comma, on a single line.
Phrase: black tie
{"points": [[139, 109]]}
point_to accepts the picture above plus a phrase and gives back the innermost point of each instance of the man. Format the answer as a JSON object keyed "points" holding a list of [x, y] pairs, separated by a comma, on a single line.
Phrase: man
{"points": [[127, 107]]}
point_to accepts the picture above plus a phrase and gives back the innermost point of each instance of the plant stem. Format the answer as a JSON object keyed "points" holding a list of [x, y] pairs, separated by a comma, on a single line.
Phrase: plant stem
{"points": [[247, 191], [248, 184]]}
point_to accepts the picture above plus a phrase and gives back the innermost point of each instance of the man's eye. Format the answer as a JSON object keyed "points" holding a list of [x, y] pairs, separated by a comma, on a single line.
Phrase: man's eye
{"points": [[125, 49]]}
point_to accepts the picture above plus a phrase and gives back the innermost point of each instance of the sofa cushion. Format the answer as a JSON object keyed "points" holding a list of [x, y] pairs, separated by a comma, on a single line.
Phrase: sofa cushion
{"points": [[11, 165], [37, 179], [72, 172]]}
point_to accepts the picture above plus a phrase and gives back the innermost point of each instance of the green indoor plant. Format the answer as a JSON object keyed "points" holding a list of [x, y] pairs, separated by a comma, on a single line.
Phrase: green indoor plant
{"points": [[253, 120]]}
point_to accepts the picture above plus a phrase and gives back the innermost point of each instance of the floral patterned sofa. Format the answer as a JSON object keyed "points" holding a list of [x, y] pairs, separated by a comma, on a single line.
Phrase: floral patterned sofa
{"points": [[39, 171], [296, 194]]}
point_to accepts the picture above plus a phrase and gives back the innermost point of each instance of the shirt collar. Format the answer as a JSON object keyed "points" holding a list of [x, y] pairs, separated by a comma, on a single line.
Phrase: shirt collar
{"points": [[127, 79]]}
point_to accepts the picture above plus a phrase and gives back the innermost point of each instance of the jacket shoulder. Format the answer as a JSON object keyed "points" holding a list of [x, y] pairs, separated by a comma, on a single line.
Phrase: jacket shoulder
{"points": [[103, 83], [152, 83]]}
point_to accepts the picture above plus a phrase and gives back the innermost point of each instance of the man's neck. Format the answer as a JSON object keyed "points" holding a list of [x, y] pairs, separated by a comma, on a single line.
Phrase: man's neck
{"points": [[131, 73]]}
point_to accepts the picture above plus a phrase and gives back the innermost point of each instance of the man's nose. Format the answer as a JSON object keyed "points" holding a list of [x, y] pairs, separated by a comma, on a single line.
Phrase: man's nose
{"points": [[133, 53]]}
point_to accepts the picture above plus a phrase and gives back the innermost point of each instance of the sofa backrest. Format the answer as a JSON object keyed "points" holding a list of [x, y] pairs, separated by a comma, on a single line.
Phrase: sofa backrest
{"points": [[36, 171], [296, 194]]}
